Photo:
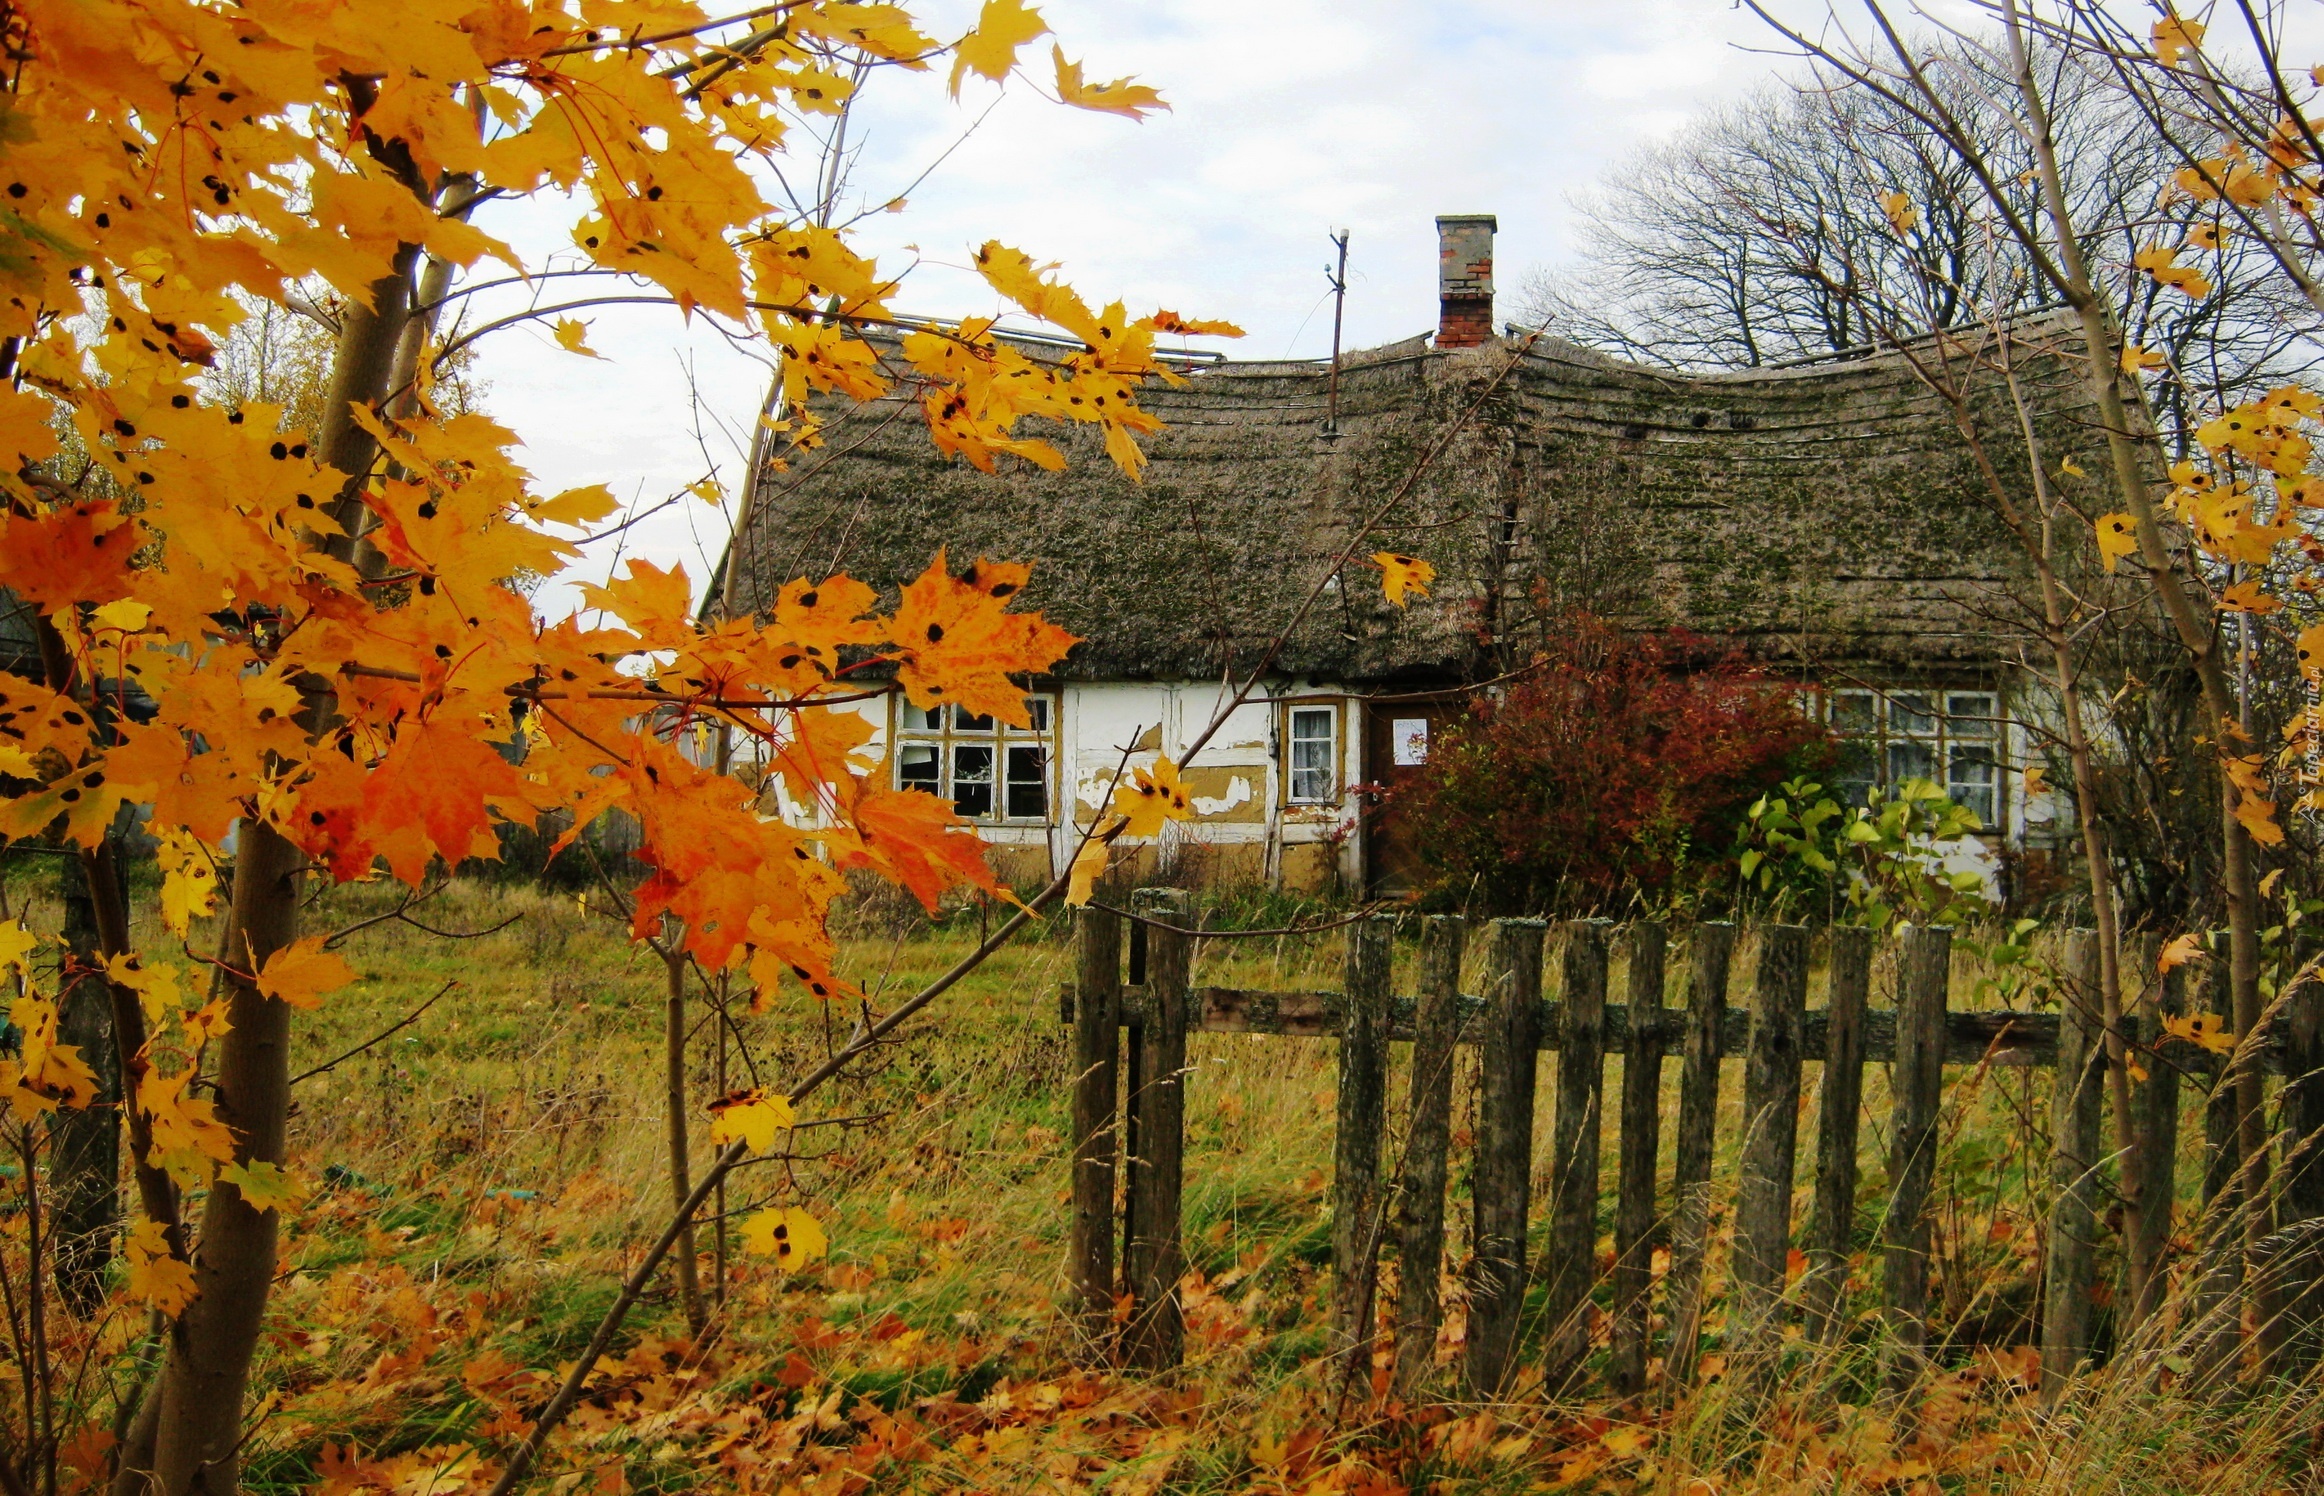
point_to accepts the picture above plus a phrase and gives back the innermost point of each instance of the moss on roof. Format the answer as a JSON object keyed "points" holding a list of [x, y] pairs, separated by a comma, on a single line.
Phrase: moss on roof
{"points": [[1830, 513]]}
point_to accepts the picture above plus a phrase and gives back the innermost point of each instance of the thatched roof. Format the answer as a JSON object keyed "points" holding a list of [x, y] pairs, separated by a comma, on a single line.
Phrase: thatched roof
{"points": [[1829, 513]]}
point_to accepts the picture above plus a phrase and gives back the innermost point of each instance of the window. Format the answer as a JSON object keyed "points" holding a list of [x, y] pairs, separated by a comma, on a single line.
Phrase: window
{"points": [[989, 770], [1951, 738], [1313, 736]]}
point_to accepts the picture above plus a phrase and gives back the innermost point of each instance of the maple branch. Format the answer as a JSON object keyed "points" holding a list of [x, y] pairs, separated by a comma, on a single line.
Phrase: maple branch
{"points": [[640, 43], [525, 691], [407, 1021]]}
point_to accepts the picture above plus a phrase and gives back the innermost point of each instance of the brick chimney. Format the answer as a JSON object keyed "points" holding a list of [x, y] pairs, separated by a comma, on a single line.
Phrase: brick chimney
{"points": [[1464, 279]]}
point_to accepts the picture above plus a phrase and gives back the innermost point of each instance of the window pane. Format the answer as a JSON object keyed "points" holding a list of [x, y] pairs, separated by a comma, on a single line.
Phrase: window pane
{"points": [[1912, 714], [1908, 760], [923, 718], [1857, 771], [1029, 783], [917, 768], [972, 779], [1972, 714], [1037, 707], [1854, 712], [1312, 753], [1974, 781], [964, 720]]}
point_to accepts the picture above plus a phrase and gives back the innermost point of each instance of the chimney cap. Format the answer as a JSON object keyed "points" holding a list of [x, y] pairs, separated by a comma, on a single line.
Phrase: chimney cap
{"points": [[1446, 220]]}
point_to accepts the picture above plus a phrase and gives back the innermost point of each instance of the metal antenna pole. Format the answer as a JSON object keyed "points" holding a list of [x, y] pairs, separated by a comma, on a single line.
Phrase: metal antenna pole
{"points": [[1339, 305]]}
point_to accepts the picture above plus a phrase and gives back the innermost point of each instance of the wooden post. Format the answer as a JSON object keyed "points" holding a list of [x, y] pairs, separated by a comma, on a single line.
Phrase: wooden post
{"points": [[1924, 978], [1698, 1120], [1771, 1079], [1420, 1249], [2074, 1170], [1634, 1213], [1569, 1263], [2215, 1316], [1097, 998], [1358, 1208], [1156, 1258], [2155, 1108], [1840, 1100], [2301, 1203], [1502, 1181]]}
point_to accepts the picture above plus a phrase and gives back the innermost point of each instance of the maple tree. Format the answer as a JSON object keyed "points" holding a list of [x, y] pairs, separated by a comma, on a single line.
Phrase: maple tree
{"points": [[324, 618]]}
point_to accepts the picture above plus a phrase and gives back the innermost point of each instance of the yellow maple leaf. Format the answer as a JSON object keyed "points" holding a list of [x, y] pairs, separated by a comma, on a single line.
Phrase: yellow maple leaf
{"points": [[2206, 1031], [990, 51], [1089, 865], [1402, 574], [2117, 538], [156, 1275], [301, 972], [2206, 236], [189, 884], [1902, 216], [2309, 651], [263, 1185], [2175, 35], [2257, 813], [2072, 469], [1151, 797], [155, 983], [753, 1117], [2249, 596], [2137, 360], [1118, 97], [788, 1234], [123, 615], [16, 945], [570, 332], [2037, 781], [2183, 949]]}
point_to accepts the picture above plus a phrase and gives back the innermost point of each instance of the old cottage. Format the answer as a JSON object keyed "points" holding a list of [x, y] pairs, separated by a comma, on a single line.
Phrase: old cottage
{"points": [[1826, 518]]}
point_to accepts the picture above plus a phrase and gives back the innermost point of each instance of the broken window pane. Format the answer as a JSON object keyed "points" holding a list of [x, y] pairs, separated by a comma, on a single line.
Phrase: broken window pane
{"points": [[964, 720], [972, 780], [1854, 712], [1914, 714], [1028, 783], [1972, 714], [1910, 760], [917, 768]]}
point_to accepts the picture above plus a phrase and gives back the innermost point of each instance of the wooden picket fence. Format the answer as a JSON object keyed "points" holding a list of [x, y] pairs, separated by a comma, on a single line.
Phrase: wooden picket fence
{"points": [[1129, 1111]]}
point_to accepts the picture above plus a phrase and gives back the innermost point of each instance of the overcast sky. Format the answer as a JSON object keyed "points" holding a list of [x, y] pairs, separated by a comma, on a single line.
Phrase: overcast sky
{"points": [[1289, 118]]}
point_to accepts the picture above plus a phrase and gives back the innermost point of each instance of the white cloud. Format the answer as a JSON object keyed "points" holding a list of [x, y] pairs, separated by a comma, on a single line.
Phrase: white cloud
{"points": [[1290, 117]]}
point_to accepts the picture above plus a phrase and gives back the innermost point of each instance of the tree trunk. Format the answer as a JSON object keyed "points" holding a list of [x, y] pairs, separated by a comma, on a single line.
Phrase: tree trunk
{"points": [[674, 1098], [85, 1157]]}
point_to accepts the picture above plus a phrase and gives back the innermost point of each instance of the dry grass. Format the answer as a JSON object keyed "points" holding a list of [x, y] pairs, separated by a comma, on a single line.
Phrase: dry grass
{"points": [[491, 1167]]}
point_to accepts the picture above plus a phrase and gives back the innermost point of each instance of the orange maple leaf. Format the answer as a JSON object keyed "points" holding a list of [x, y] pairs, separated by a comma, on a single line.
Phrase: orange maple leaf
{"points": [[957, 642]]}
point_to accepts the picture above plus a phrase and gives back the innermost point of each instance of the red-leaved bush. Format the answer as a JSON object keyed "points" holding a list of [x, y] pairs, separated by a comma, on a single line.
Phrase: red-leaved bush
{"points": [[1615, 773]]}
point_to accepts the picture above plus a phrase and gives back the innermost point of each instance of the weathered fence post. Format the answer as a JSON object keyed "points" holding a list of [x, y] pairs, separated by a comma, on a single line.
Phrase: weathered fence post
{"points": [[1840, 1096], [1155, 1258], [1924, 979], [1570, 1260], [1713, 949], [1503, 1175], [1358, 1208], [1097, 999], [1634, 1214], [2155, 1119], [1771, 1077], [2074, 1158], [2301, 1204], [1420, 1247]]}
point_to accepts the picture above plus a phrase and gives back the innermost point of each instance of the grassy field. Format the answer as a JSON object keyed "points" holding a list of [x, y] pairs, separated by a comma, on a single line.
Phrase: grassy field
{"points": [[483, 1174]]}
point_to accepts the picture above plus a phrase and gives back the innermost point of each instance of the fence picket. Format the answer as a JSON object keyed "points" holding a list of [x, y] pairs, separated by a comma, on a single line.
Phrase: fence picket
{"points": [[1568, 1265], [1840, 1095], [2074, 1167], [1771, 1081], [1713, 950], [2155, 1104], [1096, 1041], [1641, 1124], [1420, 1251], [1155, 1258], [1502, 1186], [1924, 975], [1358, 1207]]}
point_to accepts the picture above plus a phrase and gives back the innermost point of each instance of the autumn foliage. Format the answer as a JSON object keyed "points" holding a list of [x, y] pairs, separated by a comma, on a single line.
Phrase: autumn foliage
{"points": [[1614, 773]]}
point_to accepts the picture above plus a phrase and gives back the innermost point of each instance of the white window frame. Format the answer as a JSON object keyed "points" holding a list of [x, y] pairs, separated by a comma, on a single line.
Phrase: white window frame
{"points": [[1335, 754], [908, 728], [1953, 724]]}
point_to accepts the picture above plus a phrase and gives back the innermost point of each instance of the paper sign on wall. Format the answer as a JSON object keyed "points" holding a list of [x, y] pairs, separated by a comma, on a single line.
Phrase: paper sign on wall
{"points": [[1409, 739]]}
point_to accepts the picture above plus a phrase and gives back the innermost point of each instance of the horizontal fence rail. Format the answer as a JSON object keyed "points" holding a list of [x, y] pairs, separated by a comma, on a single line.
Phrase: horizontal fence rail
{"points": [[1998, 1037]]}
